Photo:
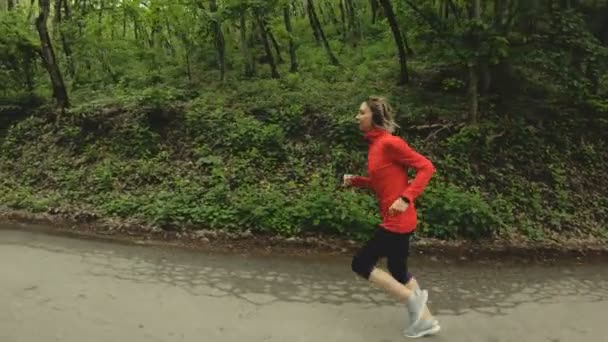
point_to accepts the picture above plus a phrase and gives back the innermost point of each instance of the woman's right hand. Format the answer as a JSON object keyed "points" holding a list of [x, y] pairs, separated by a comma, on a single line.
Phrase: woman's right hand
{"points": [[347, 180]]}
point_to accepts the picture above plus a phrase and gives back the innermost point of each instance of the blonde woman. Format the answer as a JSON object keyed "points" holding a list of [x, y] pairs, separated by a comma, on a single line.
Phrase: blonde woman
{"points": [[389, 158]]}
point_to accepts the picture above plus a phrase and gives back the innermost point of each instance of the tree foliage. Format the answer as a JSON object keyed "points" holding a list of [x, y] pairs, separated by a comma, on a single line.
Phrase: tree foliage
{"points": [[509, 97]]}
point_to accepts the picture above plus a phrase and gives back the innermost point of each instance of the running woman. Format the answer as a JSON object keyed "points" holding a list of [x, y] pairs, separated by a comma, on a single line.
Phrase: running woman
{"points": [[389, 158]]}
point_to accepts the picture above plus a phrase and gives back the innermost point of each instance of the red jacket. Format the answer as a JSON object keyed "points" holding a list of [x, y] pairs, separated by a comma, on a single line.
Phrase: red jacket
{"points": [[388, 160]]}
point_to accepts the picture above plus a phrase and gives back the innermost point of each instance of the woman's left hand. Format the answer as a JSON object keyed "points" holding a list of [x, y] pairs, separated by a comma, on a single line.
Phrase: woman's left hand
{"points": [[398, 207]]}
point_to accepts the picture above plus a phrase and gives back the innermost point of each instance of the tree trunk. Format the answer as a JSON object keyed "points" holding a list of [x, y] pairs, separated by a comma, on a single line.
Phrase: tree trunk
{"points": [[124, 23], [350, 11], [317, 25], [263, 32], [313, 26], [473, 76], [251, 41], [443, 10], [392, 20], [29, 78], [473, 99], [604, 29], [343, 20], [409, 50], [249, 66], [57, 18], [101, 5], [299, 9], [67, 49], [500, 13], [292, 47], [135, 30], [332, 14], [83, 12], [375, 8], [168, 42], [48, 56], [322, 14], [155, 31], [58, 5], [67, 10], [277, 48], [454, 9], [220, 45], [354, 31], [188, 66], [486, 79], [31, 10]]}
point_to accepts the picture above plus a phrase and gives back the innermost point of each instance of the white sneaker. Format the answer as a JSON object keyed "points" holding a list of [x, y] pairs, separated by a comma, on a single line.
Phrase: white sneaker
{"points": [[419, 327], [422, 328], [415, 304]]}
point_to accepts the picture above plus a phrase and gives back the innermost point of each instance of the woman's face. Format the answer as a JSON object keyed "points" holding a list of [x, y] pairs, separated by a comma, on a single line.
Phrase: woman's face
{"points": [[365, 118]]}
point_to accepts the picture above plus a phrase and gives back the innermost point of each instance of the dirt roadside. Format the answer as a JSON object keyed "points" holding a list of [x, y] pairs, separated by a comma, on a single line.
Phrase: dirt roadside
{"points": [[90, 227]]}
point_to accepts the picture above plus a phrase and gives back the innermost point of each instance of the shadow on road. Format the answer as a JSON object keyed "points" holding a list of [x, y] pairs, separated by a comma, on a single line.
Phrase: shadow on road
{"points": [[454, 290]]}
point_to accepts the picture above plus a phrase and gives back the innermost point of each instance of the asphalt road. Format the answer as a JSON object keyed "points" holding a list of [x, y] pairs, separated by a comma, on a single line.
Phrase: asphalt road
{"points": [[70, 290]]}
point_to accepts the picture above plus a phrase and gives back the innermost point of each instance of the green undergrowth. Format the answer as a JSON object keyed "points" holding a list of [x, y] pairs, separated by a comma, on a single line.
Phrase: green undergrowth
{"points": [[268, 156]]}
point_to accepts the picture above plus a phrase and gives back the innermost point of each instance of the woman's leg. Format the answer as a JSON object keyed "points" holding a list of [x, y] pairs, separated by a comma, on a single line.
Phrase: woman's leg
{"points": [[364, 264], [384, 280], [397, 260], [413, 285], [367, 257], [397, 254], [422, 323]]}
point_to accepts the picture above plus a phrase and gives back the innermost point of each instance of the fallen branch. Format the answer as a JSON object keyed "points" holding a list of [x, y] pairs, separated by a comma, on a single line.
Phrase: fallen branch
{"points": [[442, 128]]}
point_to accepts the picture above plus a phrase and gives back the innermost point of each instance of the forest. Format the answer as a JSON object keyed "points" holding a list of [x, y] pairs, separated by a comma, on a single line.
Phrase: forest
{"points": [[239, 115]]}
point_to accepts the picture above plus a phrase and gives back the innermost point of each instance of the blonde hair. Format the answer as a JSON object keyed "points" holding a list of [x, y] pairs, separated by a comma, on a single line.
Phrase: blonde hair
{"points": [[383, 115]]}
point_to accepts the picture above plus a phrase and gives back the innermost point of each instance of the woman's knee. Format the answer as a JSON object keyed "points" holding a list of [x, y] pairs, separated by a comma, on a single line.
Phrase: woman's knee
{"points": [[362, 267], [399, 271], [403, 278]]}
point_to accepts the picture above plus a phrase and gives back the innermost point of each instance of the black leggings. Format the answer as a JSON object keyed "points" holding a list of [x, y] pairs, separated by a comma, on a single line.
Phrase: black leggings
{"points": [[394, 246]]}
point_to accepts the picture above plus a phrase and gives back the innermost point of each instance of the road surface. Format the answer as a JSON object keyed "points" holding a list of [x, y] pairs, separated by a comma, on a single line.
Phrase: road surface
{"points": [[60, 289]]}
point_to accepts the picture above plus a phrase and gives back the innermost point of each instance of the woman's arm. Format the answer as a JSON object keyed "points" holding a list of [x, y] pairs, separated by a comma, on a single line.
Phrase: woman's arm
{"points": [[403, 154], [360, 182]]}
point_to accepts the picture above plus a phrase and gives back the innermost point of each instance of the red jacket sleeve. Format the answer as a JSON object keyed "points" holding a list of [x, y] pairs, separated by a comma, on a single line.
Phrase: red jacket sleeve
{"points": [[360, 182], [403, 154]]}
